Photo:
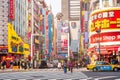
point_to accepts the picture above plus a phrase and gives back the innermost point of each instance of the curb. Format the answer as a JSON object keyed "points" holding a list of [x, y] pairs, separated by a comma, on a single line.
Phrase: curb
{"points": [[4, 71]]}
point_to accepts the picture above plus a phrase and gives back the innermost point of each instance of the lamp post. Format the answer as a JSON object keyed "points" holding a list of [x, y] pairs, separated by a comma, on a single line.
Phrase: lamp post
{"points": [[98, 32], [68, 49], [119, 55]]}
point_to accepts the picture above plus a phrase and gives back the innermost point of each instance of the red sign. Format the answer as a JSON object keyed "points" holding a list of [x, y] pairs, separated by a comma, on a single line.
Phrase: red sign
{"points": [[105, 37], [11, 9], [106, 19], [47, 39]]}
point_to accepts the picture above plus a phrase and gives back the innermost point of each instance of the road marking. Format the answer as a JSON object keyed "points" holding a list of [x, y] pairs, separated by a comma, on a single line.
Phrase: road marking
{"points": [[87, 78], [117, 79], [105, 77]]}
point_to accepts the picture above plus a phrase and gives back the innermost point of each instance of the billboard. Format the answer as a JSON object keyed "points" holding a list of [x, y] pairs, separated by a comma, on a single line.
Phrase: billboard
{"points": [[108, 22], [64, 42], [62, 36], [74, 29]]}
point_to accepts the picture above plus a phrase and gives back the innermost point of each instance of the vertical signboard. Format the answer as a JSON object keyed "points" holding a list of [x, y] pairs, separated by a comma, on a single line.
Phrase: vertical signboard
{"points": [[47, 30], [11, 9], [59, 37], [74, 28]]}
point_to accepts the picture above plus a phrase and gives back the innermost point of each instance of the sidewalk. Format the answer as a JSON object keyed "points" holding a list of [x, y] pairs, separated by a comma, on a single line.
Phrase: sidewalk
{"points": [[56, 69], [47, 69], [11, 70]]}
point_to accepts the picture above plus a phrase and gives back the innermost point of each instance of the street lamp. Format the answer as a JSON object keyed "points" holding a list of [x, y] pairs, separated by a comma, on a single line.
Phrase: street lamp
{"points": [[98, 32], [68, 49], [119, 55]]}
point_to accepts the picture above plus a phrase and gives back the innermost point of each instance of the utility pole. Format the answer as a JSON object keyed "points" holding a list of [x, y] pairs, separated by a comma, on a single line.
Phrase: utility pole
{"points": [[68, 49]]}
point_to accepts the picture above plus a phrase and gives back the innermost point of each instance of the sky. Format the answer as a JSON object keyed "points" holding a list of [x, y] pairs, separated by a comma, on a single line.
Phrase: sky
{"points": [[55, 4]]}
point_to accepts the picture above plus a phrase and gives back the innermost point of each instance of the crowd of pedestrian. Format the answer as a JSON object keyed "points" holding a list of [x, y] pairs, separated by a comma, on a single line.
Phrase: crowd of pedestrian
{"points": [[19, 64], [70, 65]]}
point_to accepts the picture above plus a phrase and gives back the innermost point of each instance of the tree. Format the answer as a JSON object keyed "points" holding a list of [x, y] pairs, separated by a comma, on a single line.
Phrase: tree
{"points": [[59, 16]]}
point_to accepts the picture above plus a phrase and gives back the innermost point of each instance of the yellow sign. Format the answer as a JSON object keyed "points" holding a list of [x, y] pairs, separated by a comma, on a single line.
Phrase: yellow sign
{"points": [[15, 43], [106, 20]]}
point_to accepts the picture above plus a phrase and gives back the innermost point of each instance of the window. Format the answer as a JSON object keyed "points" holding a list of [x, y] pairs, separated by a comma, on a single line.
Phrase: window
{"points": [[113, 2], [95, 5], [105, 3], [118, 3]]}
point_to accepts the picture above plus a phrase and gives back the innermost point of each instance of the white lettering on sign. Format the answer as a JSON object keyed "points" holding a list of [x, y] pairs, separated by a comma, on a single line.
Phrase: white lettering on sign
{"points": [[118, 36], [97, 39], [103, 15], [111, 38]]}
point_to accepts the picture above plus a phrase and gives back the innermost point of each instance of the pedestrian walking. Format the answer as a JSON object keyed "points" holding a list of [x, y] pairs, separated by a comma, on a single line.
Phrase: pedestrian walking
{"points": [[65, 66], [71, 65], [59, 65], [3, 64]]}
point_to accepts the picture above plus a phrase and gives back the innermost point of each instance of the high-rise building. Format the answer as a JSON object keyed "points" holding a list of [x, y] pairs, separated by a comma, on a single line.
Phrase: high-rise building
{"points": [[20, 21], [65, 9], [71, 10], [71, 13]]}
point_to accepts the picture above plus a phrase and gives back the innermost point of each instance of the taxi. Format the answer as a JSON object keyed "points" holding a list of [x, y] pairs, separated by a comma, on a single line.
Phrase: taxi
{"points": [[103, 66]]}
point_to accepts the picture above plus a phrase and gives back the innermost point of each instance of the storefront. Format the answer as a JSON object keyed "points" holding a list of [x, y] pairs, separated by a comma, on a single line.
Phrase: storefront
{"points": [[16, 48], [106, 52], [104, 33]]}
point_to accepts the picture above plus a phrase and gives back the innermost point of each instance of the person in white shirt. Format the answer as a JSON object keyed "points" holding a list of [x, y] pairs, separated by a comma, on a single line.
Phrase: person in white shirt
{"points": [[59, 65]]}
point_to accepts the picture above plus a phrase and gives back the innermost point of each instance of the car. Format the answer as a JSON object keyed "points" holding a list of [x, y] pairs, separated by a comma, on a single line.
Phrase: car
{"points": [[43, 65], [103, 66]]}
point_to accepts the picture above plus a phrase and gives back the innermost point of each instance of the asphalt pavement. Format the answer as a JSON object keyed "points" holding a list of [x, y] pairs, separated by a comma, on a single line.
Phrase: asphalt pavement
{"points": [[56, 74]]}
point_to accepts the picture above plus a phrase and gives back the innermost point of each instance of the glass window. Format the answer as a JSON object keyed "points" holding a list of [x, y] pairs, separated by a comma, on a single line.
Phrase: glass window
{"points": [[118, 3], [96, 5], [106, 3], [113, 3]]}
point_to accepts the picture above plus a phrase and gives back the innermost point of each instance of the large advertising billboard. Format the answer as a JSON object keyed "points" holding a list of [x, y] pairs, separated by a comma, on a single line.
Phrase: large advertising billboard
{"points": [[74, 29], [108, 22], [62, 37]]}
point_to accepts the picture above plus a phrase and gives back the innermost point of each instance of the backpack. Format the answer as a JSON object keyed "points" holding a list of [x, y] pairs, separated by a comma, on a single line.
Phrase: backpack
{"points": [[65, 65]]}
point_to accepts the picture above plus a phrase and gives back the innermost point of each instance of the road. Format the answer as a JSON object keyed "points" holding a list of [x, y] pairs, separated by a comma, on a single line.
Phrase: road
{"points": [[109, 75], [55, 74]]}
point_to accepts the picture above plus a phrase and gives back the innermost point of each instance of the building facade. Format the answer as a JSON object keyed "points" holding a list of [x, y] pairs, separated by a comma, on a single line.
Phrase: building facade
{"points": [[3, 25], [71, 13], [104, 30], [14, 28]]}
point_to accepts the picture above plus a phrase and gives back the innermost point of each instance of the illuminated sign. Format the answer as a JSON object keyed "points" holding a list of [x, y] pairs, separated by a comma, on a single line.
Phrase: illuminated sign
{"points": [[105, 20], [11, 9], [105, 37]]}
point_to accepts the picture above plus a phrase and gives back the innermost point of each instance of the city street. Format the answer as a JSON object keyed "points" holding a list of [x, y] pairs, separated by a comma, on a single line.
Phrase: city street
{"points": [[53, 74], [39, 37]]}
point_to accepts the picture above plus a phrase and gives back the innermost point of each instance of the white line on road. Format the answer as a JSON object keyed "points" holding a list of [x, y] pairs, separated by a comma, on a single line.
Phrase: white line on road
{"points": [[117, 79], [87, 78], [105, 77]]}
